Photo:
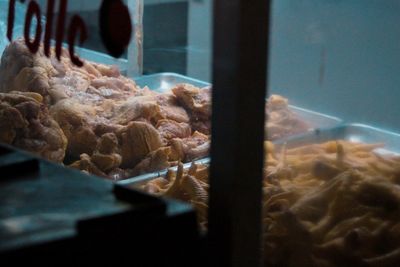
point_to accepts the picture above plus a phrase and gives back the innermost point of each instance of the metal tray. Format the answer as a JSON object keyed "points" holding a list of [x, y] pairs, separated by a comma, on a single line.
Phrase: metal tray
{"points": [[162, 82], [349, 132]]}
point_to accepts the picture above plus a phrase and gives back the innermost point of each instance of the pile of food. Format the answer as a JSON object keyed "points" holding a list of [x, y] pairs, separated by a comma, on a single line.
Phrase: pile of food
{"points": [[109, 126], [330, 204], [280, 120], [25, 123]]}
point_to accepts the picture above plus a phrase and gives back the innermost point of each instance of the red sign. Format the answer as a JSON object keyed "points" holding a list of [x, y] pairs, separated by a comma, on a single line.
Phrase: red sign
{"points": [[115, 28]]}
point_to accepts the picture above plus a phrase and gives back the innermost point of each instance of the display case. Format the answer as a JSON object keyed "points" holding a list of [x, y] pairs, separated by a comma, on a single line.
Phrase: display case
{"points": [[275, 120]]}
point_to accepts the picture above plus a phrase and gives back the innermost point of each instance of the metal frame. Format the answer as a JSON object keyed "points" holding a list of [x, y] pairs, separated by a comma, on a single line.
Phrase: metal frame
{"points": [[240, 42]]}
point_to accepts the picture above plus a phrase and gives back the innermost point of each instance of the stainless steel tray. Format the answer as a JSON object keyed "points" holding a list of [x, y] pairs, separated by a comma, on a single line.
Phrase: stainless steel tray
{"points": [[162, 82], [349, 132]]}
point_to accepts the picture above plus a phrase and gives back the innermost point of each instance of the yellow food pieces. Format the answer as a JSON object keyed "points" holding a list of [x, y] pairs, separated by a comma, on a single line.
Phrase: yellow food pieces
{"points": [[330, 204]]}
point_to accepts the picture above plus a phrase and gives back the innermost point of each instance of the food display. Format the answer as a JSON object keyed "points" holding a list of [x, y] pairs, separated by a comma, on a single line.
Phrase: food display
{"points": [[330, 204], [281, 121], [329, 188], [25, 123], [110, 126]]}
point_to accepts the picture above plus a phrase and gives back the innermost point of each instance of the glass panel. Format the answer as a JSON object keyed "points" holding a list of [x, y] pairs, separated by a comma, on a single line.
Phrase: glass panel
{"points": [[331, 192], [93, 117], [177, 50], [331, 145]]}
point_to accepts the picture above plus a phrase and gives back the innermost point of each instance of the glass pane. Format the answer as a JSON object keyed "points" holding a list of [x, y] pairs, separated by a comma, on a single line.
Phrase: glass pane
{"points": [[105, 118], [331, 146], [179, 51], [330, 187]]}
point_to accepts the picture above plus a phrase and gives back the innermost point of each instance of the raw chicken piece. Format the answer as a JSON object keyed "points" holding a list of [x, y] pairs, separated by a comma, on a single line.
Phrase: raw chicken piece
{"points": [[194, 147], [134, 108], [198, 104], [104, 159], [85, 164], [281, 121], [170, 129], [25, 123], [170, 108], [137, 140], [196, 100], [75, 120], [154, 161], [106, 155]]}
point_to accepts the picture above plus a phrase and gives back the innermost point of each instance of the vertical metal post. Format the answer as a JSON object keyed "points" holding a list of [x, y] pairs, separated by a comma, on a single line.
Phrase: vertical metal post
{"points": [[239, 90], [135, 48]]}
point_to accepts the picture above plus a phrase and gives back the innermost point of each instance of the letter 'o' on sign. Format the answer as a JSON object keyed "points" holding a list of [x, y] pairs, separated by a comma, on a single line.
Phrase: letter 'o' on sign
{"points": [[33, 10], [115, 26]]}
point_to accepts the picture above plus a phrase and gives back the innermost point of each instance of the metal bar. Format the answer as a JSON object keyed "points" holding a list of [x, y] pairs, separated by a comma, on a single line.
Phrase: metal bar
{"points": [[135, 48], [240, 40]]}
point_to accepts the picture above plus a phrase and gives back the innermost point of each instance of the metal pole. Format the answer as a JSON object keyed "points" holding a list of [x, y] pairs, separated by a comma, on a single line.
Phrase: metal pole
{"points": [[240, 40], [135, 48]]}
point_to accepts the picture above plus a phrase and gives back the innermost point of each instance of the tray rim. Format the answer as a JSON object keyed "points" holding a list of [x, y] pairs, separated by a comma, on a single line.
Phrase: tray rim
{"points": [[373, 128], [149, 176], [171, 74], [207, 160], [293, 107], [335, 120], [309, 111]]}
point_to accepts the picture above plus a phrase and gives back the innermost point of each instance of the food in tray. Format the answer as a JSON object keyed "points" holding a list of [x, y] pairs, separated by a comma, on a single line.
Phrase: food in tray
{"points": [[280, 120], [25, 123], [330, 204], [114, 128]]}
